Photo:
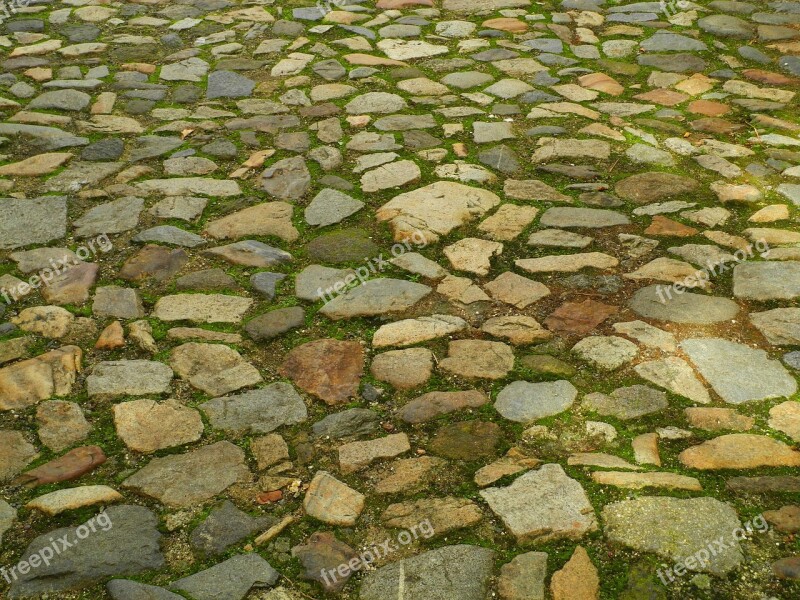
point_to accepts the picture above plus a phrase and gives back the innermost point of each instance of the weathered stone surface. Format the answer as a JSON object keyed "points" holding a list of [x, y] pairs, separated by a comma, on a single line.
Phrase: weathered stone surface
{"points": [[478, 359], [225, 526], [29, 381], [331, 501], [435, 210], [376, 297], [740, 451], [433, 404], [686, 308], [411, 331], [767, 281], [674, 528], [329, 369], [737, 372], [577, 580], [74, 498], [183, 480], [32, 220], [202, 308], [257, 411], [126, 542], [129, 378], [460, 571], [441, 514], [146, 426], [230, 579], [543, 505], [469, 440], [357, 455], [213, 368], [524, 402], [17, 453]]}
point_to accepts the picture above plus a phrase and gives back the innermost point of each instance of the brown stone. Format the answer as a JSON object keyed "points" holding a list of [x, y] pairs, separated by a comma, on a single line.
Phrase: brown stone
{"points": [[323, 552], [661, 225], [329, 369], [403, 369], [111, 337], [787, 568], [269, 450], [715, 125], [72, 286], [644, 188], [708, 108], [769, 77], [785, 519], [443, 514], [478, 358], [331, 501], [578, 580], [410, 475], [156, 262], [662, 97], [433, 404], [61, 424], [718, 419], [507, 24], [357, 455], [579, 317], [470, 440], [740, 451], [602, 83], [71, 466], [29, 381]]}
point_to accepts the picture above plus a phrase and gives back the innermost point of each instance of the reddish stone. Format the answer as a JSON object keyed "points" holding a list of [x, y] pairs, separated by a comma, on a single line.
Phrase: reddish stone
{"points": [[661, 225], [72, 465], [269, 497], [111, 337], [708, 108], [328, 369], [769, 77], [579, 317]]}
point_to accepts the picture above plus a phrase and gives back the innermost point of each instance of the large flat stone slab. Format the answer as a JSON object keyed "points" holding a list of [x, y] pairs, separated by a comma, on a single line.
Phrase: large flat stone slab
{"points": [[674, 528], [767, 280], [686, 308], [543, 505], [446, 573], [737, 372], [376, 297], [32, 220], [183, 480], [258, 411]]}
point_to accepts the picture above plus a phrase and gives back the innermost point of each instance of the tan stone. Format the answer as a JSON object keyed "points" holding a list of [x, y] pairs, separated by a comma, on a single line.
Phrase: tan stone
{"points": [[47, 321], [516, 290], [645, 449], [718, 419], [577, 580], [637, 481], [444, 514], [38, 165], [785, 417], [30, 381], [59, 501], [357, 455], [403, 369], [331, 501], [517, 329], [508, 221], [269, 218], [268, 450], [473, 255], [410, 475], [146, 426], [478, 358], [413, 331], [740, 451], [567, 263]]}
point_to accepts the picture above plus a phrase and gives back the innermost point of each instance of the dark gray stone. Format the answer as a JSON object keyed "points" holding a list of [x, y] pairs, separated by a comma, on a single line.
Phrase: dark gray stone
{"points": [[128, 546], [228, 84], [229, 580], [124, 589], [226, 526], [275, 323]]}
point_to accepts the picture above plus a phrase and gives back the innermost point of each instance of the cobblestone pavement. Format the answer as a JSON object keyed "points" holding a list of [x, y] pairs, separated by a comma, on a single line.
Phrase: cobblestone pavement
{"points": [[431, 299]]}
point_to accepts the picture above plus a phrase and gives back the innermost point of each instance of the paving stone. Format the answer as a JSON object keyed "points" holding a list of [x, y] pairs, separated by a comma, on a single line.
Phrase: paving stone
{"points": [[256, 411], [542, 505], [126, 543], [525, 402], [674, 528], [182, 480], [232, 578]]}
